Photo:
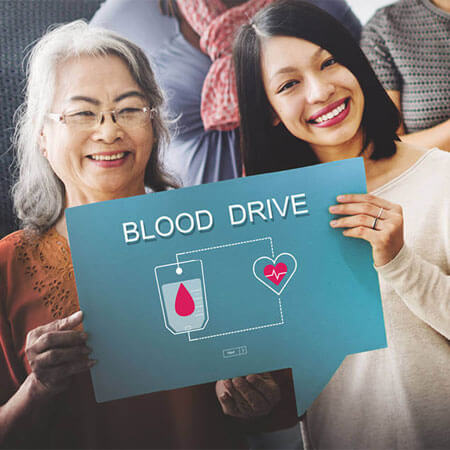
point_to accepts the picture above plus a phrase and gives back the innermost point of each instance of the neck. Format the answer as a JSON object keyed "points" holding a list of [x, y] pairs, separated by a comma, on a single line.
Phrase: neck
{"points": [[349, 149], [78, 198], [442, 4], [61, 227]]}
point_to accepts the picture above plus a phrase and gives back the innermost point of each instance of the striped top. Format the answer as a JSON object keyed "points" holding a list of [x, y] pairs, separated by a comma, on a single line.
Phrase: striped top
{"points": [[408, 45]]}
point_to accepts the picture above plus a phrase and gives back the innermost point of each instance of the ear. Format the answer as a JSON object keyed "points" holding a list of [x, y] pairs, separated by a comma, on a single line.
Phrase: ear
{"points": [[275, 119]]}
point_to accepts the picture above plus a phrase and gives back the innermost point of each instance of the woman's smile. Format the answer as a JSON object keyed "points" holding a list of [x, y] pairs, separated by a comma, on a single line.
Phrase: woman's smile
{"points": [[331, 114], [109, 159]]}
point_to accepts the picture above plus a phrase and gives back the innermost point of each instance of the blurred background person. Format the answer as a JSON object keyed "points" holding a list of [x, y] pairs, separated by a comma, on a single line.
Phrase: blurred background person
{"points": [[408, 45]]}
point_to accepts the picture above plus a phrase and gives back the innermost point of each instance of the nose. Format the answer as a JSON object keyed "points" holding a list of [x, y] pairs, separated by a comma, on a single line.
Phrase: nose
{"points": [[318, 90], [107, 130]]}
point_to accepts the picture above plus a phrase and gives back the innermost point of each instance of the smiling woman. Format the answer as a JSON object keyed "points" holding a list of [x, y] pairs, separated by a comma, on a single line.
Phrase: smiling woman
{"points": [[307, 94], [91, 129]]}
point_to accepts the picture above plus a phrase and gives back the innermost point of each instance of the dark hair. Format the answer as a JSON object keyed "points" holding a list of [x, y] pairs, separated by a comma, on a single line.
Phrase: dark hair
{"points": [[268, 148], [168, 8]]}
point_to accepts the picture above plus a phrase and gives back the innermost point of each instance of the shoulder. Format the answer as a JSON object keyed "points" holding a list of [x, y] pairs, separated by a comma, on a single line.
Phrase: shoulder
{"points": [[432, 166], [391, 18], [11, 244], [140, 21], [403, 16], [17, 248], [439, 160]]}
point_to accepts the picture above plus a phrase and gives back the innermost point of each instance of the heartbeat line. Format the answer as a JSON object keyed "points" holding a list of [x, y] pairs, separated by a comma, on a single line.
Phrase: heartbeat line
{"points": [[275, 274]]}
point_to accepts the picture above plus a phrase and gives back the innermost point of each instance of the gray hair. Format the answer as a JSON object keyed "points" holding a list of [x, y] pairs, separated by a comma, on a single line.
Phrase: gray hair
{"points": [[38, 194]]}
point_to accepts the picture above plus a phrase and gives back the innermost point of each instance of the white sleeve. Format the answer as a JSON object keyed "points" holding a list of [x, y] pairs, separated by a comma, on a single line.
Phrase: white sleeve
{"points": [[423, 287]]}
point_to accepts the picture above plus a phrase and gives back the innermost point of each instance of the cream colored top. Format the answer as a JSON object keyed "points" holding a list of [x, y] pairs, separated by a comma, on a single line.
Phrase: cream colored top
{"points": [[399, 397]]}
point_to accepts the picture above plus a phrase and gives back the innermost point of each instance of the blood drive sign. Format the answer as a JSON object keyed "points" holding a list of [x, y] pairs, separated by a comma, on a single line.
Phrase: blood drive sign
{"points": [[221, 280]]}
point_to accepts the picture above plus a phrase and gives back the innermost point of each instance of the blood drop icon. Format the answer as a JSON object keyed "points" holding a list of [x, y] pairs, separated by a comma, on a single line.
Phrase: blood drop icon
{"points": [[184, 303]]}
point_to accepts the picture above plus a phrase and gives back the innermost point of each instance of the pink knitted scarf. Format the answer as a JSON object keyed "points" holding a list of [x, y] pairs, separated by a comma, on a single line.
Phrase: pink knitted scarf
{"points": [[216, 25]]}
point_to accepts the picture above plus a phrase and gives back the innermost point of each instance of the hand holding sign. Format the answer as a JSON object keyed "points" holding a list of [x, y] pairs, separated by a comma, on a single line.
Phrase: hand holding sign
{"points": [[373, 219], [251, 396]]}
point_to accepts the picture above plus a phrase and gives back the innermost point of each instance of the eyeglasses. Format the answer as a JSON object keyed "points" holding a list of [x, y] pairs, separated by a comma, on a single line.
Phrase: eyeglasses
{"points": [[86, 120]]}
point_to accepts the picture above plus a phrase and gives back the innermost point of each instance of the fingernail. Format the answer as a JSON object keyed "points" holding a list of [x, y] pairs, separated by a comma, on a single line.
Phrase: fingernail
{"points": [[340, 197], [92, 362], [332, 208], [333, 223]]}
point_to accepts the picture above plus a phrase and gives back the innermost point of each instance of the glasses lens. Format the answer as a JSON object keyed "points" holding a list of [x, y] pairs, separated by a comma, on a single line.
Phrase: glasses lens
{"points": [[81, 119], [133, 117]]}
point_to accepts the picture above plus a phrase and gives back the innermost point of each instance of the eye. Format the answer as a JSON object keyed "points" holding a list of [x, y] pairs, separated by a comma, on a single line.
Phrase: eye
{"points": [[287, 86], [129, 110], [82, 114], [328, 62]]}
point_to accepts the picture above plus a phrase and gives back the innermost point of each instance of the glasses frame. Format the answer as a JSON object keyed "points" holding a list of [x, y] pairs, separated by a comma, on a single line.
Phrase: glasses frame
{"points": [[61, 118]]}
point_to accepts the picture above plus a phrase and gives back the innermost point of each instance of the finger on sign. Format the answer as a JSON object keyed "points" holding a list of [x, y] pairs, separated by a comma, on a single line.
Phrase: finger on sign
{"points": [[54, 339], [367, 209], [252, 396], [368, 234], [241, 404], [60, 356], [359, 220], [365, 198], [267, 386]]}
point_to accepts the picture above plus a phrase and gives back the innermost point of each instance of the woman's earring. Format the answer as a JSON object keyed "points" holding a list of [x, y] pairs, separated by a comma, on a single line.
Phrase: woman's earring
{"points": [[42, 148]]}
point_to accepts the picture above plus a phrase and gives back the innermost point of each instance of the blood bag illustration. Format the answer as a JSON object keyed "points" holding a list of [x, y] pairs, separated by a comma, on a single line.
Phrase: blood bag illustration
{"points": [[182, 293]]}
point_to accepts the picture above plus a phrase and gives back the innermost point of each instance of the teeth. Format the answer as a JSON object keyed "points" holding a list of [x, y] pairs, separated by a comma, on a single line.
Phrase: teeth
{"points": [[331, 114], [108, 157]]}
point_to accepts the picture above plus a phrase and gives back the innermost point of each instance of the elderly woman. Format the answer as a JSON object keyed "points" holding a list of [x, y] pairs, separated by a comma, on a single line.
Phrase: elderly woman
{"points": [[90, 130]]}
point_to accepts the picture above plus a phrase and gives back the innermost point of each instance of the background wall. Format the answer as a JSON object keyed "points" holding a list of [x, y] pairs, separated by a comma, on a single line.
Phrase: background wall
{"points": [[365, 9]]}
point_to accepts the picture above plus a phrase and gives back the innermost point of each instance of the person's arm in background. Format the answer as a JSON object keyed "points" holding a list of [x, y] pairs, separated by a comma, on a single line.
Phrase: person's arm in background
{"points": [[437, 136], [377, 51]]}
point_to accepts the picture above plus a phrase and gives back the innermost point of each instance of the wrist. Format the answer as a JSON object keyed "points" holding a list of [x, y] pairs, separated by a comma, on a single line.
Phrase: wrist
{"points": [[35, 392]]}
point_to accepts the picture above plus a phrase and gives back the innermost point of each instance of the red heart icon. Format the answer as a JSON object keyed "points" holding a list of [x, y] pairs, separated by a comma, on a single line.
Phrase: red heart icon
{"points": [[275, 274]]}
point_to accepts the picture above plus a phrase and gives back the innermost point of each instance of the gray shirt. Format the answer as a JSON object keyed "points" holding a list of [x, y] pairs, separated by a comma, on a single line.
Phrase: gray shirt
{"points": [[408, 45]]}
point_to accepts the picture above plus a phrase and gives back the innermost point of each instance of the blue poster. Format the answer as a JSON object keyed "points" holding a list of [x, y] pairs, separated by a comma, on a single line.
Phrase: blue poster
{"points": [[222, 280]]}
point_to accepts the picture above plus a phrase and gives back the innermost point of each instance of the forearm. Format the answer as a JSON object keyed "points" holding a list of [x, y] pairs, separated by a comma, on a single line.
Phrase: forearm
{"points": [[437, 136], [422, 286], [18, 415]]}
